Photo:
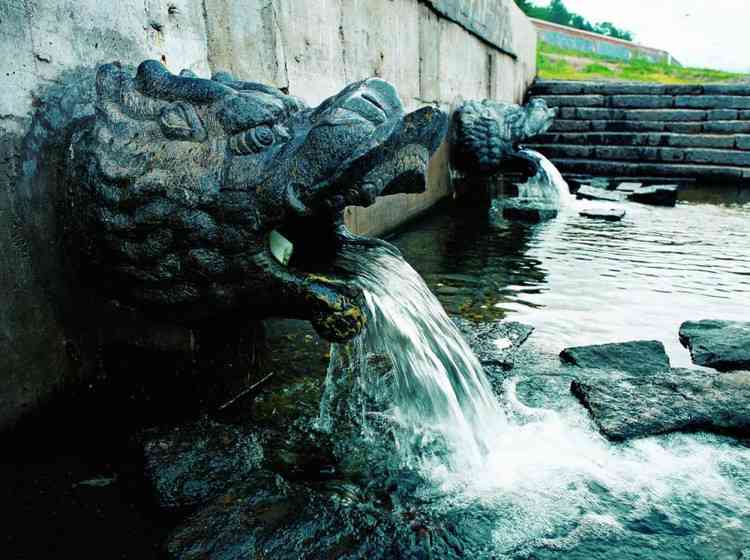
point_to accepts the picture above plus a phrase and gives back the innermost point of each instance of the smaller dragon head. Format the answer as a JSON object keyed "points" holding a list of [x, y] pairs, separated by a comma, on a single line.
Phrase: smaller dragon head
{"points": [[486, 133]]}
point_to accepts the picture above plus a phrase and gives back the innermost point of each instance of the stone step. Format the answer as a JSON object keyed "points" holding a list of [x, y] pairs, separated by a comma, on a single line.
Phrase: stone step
{"points": [[646, 139], [708, 156], [730, 106], [604, 125], [639, 169], [641, 115], [561, 87]]}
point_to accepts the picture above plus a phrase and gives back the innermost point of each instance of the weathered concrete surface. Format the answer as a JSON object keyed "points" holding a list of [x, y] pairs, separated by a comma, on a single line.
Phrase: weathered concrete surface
{"points": [[310, 48]]}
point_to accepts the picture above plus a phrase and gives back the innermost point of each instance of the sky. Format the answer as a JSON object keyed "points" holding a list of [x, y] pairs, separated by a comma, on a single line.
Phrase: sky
{"points": [[701, 33]]}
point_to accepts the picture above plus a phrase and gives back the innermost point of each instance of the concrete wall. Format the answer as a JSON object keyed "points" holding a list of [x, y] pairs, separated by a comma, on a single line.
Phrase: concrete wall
{"points": [[584, 41], [435, 51]]}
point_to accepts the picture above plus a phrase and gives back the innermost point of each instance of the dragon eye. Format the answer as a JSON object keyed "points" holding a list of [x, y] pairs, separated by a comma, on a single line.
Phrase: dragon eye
{"points": [[252, 141]]}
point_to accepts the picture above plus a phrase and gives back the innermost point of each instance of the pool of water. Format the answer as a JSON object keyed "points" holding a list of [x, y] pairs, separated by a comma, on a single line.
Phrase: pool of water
{"points": [[582, 281]]}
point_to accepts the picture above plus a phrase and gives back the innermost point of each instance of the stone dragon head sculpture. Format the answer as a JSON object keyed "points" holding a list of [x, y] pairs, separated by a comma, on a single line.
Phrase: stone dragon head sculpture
{"points": [[485, 134], [190, 198]]}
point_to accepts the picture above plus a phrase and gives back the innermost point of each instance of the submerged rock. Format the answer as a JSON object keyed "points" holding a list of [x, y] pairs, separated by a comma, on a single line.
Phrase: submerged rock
{"points": [[625, 407], [642, 357], [527, 210], [608, 214], [495, 344], [656, 195], [594, 193], [188, 465], [270, 517], [722, 345]]}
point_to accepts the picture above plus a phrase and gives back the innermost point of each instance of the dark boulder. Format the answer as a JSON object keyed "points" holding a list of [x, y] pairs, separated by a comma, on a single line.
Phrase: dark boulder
{"points": [[271, 517], [641, 357], [533, 211], [190, 464], [722, 345], [608, 214], [656, 195], [625, 407]]}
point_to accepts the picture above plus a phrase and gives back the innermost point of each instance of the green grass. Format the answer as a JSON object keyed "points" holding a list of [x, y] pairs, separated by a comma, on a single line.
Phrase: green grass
{"points": [[592, 67]]}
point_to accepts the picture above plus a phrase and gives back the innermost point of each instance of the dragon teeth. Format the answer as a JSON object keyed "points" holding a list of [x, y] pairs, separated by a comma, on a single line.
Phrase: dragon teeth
{"points": [[281, 247]]}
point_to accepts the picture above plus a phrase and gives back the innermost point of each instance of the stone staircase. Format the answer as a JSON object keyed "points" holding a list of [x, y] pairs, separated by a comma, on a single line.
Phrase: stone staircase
{"points": [[648, 131]]}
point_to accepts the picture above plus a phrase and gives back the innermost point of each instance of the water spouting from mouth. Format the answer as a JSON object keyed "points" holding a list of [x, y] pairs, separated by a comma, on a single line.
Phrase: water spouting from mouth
{"points": [[429, 386], [547, 185]]}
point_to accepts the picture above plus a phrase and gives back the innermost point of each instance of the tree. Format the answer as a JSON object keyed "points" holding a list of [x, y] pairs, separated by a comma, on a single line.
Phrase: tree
{"points": [[557, 12], [609, 29]]}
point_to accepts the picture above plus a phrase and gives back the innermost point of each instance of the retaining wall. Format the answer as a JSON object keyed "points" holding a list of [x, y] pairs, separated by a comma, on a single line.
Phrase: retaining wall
{"points": [[435, 51], [684, 132], [585, 41]]}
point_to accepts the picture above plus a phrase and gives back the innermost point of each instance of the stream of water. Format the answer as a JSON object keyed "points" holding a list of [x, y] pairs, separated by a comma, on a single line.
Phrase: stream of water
{"points": [[547, 185]]}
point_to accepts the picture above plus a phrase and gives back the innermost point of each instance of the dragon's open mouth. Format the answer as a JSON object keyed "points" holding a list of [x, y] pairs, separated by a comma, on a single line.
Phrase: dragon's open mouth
{"points": [[310, 243], [307, 246]]}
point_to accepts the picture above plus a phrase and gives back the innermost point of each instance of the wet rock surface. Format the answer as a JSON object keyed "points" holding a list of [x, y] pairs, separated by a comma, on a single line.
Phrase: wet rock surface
{"points": [[641, 357], [722, 345], [528, 210], [188, 465], [495, 344], [629, 187], [607, 214], [656, 195], [625, 407], [270, 517]]}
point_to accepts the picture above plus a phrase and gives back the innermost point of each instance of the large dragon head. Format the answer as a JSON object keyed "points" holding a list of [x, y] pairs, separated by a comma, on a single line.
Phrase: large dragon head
{"points": [[191, 198]]}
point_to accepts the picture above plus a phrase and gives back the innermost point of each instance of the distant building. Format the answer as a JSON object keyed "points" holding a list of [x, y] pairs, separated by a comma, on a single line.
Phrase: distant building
{"points": [[585, 41]]}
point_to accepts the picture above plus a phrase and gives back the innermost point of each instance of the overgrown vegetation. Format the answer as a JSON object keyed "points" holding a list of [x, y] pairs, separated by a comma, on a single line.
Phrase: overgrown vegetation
{"points": [[555, 63], [558, 13]]}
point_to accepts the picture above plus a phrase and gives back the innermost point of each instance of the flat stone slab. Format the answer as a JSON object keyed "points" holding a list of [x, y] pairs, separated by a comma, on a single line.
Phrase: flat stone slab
{"points": [[722, 345], [642, 357], [629, 187], [495, 344], [625, 407], [528, 211], [656, 195], [191, 464], [608, 214], [588, 192]]}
